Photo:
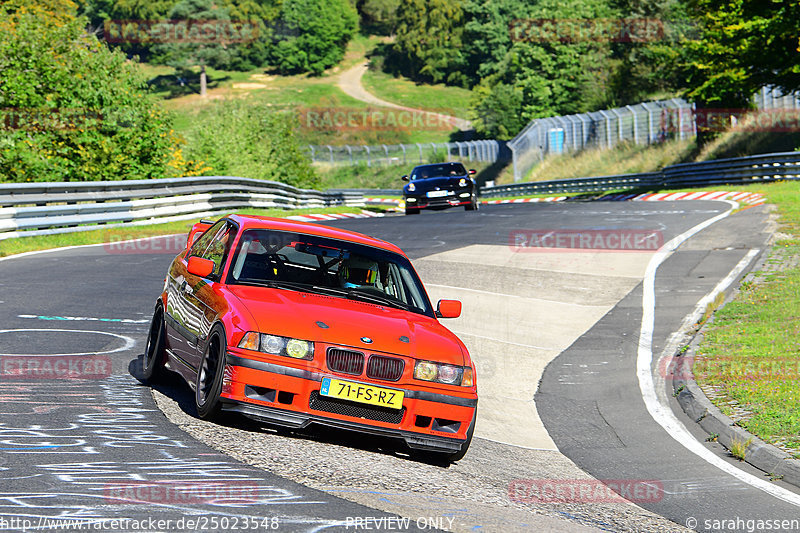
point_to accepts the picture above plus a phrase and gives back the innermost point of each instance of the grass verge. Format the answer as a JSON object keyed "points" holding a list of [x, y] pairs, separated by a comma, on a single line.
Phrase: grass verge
{"points": [[750, 353], [100, 236], [440, 98]]}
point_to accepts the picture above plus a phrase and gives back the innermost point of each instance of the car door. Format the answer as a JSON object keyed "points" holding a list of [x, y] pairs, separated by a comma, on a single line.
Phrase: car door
{"points": [[193, 305]]}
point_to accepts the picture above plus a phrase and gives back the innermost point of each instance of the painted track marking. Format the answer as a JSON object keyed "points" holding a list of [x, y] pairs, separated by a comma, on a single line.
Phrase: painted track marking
{"points": [[658, 409]]}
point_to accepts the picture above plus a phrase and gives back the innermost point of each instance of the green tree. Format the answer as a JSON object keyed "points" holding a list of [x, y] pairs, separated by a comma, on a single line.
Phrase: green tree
{"points": [[315, 34], [548, 69], [428, 43], [72, 109], [487, 37], [744, 44], [378, 16]]}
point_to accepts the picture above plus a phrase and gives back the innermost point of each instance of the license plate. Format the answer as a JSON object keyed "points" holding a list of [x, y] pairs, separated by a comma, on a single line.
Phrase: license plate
{"points": [[438, 194], [361, 393]]}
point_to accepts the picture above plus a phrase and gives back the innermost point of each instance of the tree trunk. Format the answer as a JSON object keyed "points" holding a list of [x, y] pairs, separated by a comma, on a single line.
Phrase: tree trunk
{"points": [[203, 81]]}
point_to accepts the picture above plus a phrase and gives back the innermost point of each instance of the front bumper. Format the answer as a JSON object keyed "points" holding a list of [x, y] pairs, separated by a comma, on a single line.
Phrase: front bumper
{"points": [[290, 397], [423, 202]]}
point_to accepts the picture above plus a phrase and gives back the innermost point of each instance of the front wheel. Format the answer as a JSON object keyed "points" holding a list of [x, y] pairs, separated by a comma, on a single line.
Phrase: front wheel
{"points": [[474, 204], [154, 356], [412, 211], [209, 376]]}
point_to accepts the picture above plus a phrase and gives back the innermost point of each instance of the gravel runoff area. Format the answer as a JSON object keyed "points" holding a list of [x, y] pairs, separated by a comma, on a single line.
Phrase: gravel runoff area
{"points": [[474, 491]]}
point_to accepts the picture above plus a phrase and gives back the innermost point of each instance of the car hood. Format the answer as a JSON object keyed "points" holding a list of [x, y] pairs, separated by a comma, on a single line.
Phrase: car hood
{"points": [[304, 316]]}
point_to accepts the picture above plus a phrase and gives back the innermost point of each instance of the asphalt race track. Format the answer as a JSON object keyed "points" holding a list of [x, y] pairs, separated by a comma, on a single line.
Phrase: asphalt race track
{"points": [[98, 448]]}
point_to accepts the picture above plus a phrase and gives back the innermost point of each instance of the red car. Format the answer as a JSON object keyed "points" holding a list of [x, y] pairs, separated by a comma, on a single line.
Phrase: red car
{"points": [[297, 324]]}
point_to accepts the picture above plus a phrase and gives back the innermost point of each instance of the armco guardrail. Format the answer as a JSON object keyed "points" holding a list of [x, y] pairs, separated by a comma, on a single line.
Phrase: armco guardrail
{"points": [[736, 171], [596, 184], [28, 209]]}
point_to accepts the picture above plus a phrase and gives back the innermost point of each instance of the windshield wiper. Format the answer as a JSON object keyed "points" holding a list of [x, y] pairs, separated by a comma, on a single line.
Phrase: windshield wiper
{"points": [[277, 284], [357, 294]]}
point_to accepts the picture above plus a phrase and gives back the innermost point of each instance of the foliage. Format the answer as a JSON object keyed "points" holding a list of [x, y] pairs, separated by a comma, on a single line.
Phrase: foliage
{"points": [[744, 45], [378, 16], [537, 77], [428, 42], [73, 110], [317, 33], [250, 139]]}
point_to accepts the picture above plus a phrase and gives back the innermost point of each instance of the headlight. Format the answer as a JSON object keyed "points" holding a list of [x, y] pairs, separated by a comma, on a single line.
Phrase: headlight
{"points": [[462, 182], [298, 349], [276, 345], [441, 373], [412, 187], [449, 374]]}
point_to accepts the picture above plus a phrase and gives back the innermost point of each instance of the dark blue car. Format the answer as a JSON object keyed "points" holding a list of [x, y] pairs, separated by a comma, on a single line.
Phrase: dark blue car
{"points": [[439, 186]]}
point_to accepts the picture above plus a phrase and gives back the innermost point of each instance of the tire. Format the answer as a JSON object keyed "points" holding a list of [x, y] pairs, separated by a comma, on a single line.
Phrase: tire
{"points": [[208, 384], [474, 204], [412, 211], [155, 354]]}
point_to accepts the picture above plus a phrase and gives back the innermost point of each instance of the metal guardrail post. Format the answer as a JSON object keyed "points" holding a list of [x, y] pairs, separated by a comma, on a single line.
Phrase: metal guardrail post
{"points": [[635, 125], [608, 128], [514, 162], [619, 124]]}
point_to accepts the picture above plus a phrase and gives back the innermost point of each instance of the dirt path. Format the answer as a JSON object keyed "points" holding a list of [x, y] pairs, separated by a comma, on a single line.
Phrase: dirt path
{"points": [[350, 83]]}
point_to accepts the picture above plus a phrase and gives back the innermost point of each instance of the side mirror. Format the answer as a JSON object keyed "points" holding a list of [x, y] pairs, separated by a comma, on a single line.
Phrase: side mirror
{"points": [[448, 309], [200, 267], [471, 171], [404, 178]]}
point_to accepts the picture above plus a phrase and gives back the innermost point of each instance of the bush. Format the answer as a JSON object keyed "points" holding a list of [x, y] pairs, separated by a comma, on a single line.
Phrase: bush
{"points": [[252, 140], [73, 110]]}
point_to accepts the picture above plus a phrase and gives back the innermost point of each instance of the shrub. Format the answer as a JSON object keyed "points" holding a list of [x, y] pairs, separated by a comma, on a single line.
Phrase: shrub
{"points": [[252, 140], [74, 111]]}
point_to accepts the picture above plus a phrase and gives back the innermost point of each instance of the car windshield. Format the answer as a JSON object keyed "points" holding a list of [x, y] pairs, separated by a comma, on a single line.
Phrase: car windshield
{"points": [[309, 263], [438, 171]]}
